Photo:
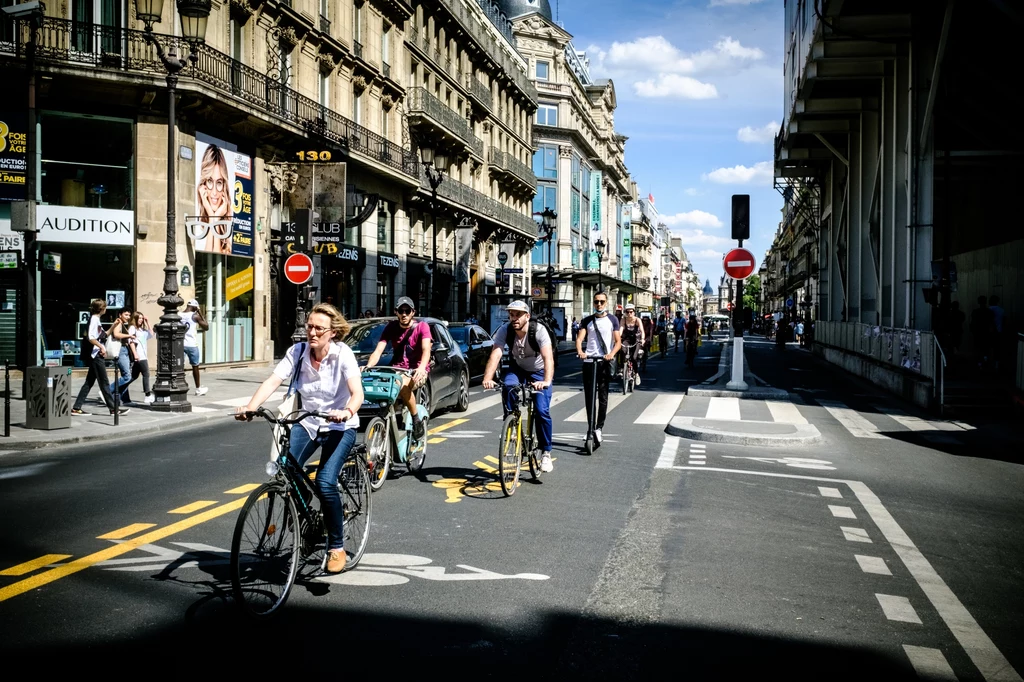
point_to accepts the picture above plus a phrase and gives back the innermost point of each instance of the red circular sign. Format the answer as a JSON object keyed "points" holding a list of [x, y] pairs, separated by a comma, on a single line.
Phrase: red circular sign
{"points": [[298, 269], [739, 263]]}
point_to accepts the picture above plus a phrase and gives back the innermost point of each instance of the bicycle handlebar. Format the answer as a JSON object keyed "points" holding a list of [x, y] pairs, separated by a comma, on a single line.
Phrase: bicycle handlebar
{"points": [[283, 421]]}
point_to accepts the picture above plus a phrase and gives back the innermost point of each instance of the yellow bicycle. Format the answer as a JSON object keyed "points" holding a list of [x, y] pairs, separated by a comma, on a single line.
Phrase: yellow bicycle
{"points": [[517, 439]]}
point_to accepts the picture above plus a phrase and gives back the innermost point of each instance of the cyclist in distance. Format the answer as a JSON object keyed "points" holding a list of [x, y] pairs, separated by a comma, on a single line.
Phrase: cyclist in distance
{"points": [[530, 350], [410, 343], [328, 381], [601, 332], [633, 335], [690, 344]]}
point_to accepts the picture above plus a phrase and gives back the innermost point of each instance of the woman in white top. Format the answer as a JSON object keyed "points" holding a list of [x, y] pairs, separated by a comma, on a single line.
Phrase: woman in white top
{"points": [[94, 354], [140, 333], [328, 381]]}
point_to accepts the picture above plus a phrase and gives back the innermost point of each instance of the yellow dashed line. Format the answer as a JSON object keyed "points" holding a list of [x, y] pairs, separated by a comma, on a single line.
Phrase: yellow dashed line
{"points": [[436, 440], [486, 467], [491, 458], [442, 427], [195, 506], [29, 566], [125, 532], [242, 489]]}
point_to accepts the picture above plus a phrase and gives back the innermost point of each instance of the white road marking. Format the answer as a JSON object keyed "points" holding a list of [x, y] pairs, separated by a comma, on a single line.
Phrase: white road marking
{"points": [[242, 402], [855, 534], [841, 512], [574, 374], [694, 455], [897, 608], [858, 426], [785, 412], [872, 564], [903, 419], [929, 664], [661, 410], [697, 462], [668, 453], [698, 446], [830, 492], [614, 400], [561, 396], [474, 407], [795, 462], [724, 408], [382, 564], [26, 470]]}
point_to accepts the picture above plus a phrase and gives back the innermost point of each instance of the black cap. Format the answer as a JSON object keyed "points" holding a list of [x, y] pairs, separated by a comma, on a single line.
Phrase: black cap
{"points": [[405, 300]]}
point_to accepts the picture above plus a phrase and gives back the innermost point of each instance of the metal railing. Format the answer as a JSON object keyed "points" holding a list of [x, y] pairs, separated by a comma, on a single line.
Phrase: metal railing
{"points": [[480, 203], [498, 19], [479, 91], [912, 350], [420, 101], [641, 240], [325, 25], [126, 50], [506, 161]]}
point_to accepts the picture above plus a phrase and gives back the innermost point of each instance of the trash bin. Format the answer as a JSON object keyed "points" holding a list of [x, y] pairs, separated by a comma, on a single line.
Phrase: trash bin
{"points": [[48, 398]]}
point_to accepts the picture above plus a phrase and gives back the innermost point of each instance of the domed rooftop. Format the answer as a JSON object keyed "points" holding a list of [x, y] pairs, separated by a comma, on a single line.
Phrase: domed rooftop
{"points": [[707, 288], [517, 8]]}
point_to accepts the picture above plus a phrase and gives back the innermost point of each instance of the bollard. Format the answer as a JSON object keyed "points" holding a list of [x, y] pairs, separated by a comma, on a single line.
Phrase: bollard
{"points": [[117, 395], [7, 398]]}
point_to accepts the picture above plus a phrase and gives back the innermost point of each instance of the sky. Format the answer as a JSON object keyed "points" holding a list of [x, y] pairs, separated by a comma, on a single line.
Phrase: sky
{"points": [[699, 85]]}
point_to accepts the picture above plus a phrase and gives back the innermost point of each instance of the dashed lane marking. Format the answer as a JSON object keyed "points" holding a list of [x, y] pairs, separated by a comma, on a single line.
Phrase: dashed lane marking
{"points": [[785, 412], [668, 453], [872, 564], [194, 507], [614, 400], [852, 421], [898, 608], [242, 489], [855, 534], [35, 564], [841, 512], [122, 533], [830, 492], [929, 664]]}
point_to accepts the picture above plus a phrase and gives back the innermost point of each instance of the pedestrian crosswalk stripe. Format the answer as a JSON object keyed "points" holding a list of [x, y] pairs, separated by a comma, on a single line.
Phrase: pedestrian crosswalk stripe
{"points": [[910, 422], [661, 410], [475, 406], [858, 426], [785, 412], [614, 400], [562, 396], [727, 409]]}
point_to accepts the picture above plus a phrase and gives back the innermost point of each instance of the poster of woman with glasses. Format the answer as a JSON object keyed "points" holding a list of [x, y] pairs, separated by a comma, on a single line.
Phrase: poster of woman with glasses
{"points": [[223, 201]]}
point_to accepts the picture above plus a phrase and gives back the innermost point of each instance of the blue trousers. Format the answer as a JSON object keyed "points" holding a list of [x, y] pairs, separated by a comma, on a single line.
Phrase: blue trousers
{"points": [[123, 364], [515, 376], [335, 446]]}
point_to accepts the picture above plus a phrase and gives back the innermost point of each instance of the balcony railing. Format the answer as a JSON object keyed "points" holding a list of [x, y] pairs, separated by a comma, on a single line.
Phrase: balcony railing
{"points": [[325, 25], [509, 163], [125, 50], [357, 49], [498, 19], [421, 102], [641, 240], [479, 91], [480, 203], [386, 69]]}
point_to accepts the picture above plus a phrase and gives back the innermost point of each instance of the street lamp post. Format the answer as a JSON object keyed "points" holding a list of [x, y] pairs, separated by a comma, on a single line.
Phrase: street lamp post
{"points": [[434, 164], [599, 245], [170, 389], [548, 218]]}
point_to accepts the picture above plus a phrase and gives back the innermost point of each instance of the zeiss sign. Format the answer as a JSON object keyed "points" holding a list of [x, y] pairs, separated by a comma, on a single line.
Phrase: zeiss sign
{"points": [[75, 225]]}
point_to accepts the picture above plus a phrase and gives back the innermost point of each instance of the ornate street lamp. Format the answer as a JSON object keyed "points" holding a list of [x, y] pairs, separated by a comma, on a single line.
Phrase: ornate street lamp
{"points": [[599, 245], [435, 164], [170, 389]]}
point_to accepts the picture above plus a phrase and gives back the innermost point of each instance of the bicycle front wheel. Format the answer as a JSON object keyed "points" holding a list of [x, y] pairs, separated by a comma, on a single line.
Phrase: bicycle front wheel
{"points": [[378, 452], [510, 455], [354, 485], [265, 550]]}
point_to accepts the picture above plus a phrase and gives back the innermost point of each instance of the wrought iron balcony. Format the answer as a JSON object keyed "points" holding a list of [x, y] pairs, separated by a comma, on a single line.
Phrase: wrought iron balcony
{"points": [[325, 25], [641, 240], [420, 103], [120, 50], [468, 198], [643, 282], [480, 92], [511, 165]]}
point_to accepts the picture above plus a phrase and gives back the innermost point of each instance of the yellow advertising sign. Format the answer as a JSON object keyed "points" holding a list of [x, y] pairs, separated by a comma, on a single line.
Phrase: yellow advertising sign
{"points": [[239, 283]]}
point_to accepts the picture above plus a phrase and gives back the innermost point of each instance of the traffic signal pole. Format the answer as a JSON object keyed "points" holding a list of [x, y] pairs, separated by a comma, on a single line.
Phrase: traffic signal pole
{"points": [[740, 231]]}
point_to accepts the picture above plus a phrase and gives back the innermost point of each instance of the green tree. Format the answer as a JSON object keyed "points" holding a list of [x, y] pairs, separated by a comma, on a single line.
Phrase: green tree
{"points": [[752, 293]]}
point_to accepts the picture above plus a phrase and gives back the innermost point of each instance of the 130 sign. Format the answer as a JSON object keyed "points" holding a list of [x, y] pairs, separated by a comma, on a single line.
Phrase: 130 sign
{"points": [[314, 155]]}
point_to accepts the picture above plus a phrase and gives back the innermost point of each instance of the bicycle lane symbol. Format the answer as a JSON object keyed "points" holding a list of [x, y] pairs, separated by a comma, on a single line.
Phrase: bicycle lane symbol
{"points": [[378, 570]]}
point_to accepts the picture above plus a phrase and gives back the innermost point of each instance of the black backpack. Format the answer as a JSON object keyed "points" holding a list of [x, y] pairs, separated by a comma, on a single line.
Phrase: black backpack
{"points": [[531, 336]]}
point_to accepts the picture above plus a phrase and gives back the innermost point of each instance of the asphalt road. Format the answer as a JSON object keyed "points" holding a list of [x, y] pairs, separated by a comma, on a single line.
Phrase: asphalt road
{"points": [[656, 555]]}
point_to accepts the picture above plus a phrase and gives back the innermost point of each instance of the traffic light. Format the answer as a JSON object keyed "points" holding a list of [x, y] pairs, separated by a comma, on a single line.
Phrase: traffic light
{"points": [[741, 216]]}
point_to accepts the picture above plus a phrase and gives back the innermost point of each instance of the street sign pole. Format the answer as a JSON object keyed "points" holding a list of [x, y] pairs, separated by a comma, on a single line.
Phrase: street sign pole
{"points": [[740, 231]]}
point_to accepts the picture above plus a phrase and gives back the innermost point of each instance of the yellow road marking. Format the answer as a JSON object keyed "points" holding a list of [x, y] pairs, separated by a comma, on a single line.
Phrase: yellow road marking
{"points": [[125, 532], [436, 440], [85, 562], [486, 467], [195, 506], [491, 458], [447, 425], [248, 487], [29, 566]]}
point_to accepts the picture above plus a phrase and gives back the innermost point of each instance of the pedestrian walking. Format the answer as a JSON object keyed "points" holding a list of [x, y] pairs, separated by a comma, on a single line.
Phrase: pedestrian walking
{"points": [[678, 328], [123, 362], [94, 356], [141, 332], [194, 323], [575, 328]]}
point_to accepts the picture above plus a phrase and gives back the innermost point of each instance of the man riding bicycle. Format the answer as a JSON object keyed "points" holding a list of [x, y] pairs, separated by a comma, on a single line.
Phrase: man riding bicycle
{"points": [[410, 342], [678, 327], [601, 332], [632, 336], [531, 360]]}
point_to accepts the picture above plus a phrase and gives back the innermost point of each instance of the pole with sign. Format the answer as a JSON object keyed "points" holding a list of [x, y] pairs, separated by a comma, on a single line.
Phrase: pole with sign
{"points": [[739, 264]]}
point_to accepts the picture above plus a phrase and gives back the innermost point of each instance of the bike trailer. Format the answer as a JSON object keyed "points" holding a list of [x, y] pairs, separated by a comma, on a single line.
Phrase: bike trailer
{"points": [[380, 387]]}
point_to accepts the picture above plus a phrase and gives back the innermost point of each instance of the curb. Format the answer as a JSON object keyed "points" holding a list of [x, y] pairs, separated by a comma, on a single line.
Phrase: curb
{"points": [[802, 434]]}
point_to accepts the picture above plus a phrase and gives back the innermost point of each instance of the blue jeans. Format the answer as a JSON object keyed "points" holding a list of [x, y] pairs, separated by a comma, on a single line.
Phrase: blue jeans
{"points": [[335, 446], [515, 376], [124, 366]]}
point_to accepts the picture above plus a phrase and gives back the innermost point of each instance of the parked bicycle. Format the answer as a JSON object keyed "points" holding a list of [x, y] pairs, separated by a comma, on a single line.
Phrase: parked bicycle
{"points": [[517, 439], [282, 523], [385, 441]]}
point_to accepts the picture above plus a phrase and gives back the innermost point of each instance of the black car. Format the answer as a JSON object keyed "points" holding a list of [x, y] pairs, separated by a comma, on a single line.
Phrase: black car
{"points": [[476, 346], [448, 382]]}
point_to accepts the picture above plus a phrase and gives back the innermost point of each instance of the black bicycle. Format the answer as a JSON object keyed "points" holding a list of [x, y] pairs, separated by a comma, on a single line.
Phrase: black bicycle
{"points": [[282, 522]]}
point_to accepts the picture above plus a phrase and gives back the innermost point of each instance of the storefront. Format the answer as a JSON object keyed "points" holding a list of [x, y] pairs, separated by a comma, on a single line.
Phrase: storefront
{"points": [[341, 274], [388, 267], [417, 279]]}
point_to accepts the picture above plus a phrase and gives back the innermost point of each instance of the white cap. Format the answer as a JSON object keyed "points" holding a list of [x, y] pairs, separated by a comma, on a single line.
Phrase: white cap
{"points": [[630, 306], [193, 303], [518, 305]]}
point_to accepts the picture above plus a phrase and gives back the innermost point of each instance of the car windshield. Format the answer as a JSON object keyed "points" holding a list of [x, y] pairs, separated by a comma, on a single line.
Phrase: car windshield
{"points": [[460, 334], [364, 337]]}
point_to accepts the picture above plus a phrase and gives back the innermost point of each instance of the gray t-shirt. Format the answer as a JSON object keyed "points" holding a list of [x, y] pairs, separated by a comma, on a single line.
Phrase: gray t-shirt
{"points": [[522, 352]]}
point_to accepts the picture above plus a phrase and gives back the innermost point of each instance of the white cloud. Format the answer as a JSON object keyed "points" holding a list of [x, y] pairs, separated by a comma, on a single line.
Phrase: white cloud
{"points": [[765, 133], [708, 253], [758, 174], [692, 192], [699, 238], [674, 85], [695, 218], [726, 3]]}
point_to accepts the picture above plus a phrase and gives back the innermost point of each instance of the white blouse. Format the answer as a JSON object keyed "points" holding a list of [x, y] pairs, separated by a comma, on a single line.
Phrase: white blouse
{"points": [[324, 389]]}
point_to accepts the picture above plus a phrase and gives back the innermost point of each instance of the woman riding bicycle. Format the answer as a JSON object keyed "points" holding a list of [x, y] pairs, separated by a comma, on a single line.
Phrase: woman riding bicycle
{"points": [[632, 338], [328, 381]]}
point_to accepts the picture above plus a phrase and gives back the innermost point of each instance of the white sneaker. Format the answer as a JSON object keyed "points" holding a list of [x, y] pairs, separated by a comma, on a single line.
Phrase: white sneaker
{"points": [[150, 399], [597, 436], [637, 379], [202, 390], [545, 463]]}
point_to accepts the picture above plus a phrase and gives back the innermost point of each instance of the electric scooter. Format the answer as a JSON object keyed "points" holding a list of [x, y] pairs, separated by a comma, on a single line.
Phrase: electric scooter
{"points": [[590, 444]]}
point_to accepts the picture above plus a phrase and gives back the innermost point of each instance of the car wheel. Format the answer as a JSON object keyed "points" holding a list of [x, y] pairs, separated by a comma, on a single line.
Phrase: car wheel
{"points": [[462, 401]]}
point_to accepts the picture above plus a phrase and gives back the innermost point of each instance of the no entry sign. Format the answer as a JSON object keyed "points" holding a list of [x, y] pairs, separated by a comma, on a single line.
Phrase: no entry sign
{"points": [[298, 269], [739, 263]]}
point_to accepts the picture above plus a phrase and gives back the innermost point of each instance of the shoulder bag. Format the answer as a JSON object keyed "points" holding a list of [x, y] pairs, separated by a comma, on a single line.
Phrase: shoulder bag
{"points": [[289, 406], [112, 346]]}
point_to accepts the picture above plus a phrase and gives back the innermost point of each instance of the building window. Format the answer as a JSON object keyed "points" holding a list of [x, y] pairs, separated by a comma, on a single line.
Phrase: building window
{"points": [[384, 121], [324, 89], [71, 175], [546, 197], [357, 107], [576, 170], [545, 161], [542, 70], [385, 227], [357, 23], [547, 115], [385, 45]]}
